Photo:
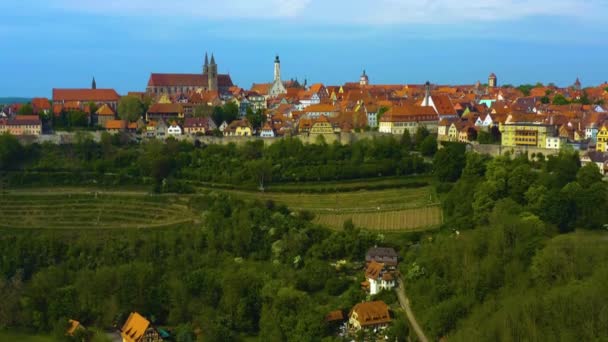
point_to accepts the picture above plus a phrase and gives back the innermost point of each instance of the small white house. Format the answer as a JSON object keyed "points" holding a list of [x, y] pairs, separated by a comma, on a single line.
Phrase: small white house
{"points": [[267, 132], [223, 126], [174, 129], [555, 142], [378, 278]]}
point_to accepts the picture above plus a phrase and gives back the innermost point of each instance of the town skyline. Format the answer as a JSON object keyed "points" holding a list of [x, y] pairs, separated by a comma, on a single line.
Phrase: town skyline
{"points": [[121, 43]]}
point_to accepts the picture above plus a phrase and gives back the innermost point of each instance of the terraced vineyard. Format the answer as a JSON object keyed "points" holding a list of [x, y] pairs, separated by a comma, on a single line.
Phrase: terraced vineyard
{"points": [[92, 211], [401, 209]]}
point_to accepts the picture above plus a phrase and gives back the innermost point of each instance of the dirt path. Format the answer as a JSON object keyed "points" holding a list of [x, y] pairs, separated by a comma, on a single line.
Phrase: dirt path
{"points": [[405, 304]]}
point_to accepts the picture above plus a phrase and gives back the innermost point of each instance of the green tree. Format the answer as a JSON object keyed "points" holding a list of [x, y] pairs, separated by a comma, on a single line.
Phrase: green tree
{"points": [[11, 151], [230, 112], [130, 108], [545, 100], [428, 147], [26, 109], [256, 119], [203, 111], [260, 170], [449, 162], [406, 140], [559, 100], [588, 175]]}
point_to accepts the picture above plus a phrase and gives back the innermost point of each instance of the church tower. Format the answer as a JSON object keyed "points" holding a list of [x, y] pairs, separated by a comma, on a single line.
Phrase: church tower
{"points": [[212, 75], [363, 80], [492, 81], [93, 84], [277, 86], [427, 95], [277, 69], [206, 65]]}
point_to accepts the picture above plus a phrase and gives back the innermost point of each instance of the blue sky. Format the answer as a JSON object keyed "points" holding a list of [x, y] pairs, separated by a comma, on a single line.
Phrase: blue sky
{"points": [[64, 43]]}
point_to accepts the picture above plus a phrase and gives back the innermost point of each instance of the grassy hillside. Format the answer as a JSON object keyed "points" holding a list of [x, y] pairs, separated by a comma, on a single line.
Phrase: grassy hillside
{"points": [[86, 211]]}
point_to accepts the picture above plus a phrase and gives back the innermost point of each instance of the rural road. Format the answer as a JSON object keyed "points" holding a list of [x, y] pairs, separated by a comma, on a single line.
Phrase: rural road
{"points": [[405, 304]]}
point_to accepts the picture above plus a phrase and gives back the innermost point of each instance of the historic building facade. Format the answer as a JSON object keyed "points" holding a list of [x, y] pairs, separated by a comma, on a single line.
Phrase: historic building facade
{"points": [[208, 80]]}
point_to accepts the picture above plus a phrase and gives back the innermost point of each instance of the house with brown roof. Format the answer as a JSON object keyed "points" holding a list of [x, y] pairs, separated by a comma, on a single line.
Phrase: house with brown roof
{"points": [[239, 128], [408, 117], [41, 105], [385, 255], [198, 125], [139, 329], [21, 125], [81, 98], [267, 131], [165, 111], [115, 126], [321, 126], [369, 315], [103, 115], [378, 278]]}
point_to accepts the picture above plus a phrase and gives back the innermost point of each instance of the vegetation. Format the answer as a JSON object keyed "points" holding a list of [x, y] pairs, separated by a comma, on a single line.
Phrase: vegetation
{"points": [[515, 272], [248, 269], [177, 164], [130, 108]]}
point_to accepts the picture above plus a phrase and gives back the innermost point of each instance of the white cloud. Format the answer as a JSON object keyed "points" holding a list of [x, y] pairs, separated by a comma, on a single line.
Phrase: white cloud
{"points": [[368, 12]]}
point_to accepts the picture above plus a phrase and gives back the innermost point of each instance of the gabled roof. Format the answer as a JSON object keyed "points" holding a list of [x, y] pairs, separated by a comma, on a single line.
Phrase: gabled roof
{"points": [[374, 269], [371, 313], [105, 110], [261, 88], [134, 328], [85, 95]]}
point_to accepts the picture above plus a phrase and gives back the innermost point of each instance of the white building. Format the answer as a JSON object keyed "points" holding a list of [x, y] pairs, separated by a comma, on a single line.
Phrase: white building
{"points": [[174, 129], [555, 142], [378, 278], [277, 87]]}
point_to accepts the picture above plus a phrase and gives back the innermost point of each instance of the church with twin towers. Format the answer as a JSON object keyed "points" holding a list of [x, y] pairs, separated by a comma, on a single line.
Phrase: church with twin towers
{"points": [[208, 80]]}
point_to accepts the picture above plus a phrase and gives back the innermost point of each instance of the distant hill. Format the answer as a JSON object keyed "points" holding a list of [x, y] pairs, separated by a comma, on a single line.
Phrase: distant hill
{"points": [[11, 100]]}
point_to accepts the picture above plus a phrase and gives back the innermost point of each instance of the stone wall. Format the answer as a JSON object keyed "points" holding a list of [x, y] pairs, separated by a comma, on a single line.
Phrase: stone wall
{"points": [[343, 138], [497, 150]]}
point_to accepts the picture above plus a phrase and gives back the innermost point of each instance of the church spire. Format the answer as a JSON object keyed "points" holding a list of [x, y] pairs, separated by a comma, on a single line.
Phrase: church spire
{"points": [[212, 59], [206, 65], [93, 84]]}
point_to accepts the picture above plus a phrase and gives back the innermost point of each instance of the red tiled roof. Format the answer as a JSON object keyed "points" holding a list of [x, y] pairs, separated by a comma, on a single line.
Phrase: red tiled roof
{"points": [[166, 108], [41, 103], [85, 95], [187, 80]]}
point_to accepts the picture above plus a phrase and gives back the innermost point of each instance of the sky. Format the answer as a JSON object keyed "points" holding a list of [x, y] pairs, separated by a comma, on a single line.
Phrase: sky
{"points": [[49, 44]]}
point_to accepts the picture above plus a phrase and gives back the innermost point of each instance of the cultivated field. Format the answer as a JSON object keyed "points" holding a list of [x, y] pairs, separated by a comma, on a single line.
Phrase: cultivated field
{"points": [[408, 206], [400, 209], [91, 211]]}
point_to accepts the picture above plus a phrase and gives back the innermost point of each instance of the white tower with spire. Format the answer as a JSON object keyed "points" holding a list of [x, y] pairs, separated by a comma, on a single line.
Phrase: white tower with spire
{"points": [[277, 87]]}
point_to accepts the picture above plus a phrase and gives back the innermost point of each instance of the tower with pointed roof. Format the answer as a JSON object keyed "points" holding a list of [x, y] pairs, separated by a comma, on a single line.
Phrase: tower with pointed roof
{"points": [[212, 74], [427, 94], [492, 81], [277, 86], [93, 84], [577, 84], [206, 65], [363, 80]]}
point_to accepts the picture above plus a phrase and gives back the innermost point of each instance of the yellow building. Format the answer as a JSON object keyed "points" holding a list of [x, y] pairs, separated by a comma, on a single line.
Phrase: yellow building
{"points": [[526, 134], [602, 139], [321, 126]]}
